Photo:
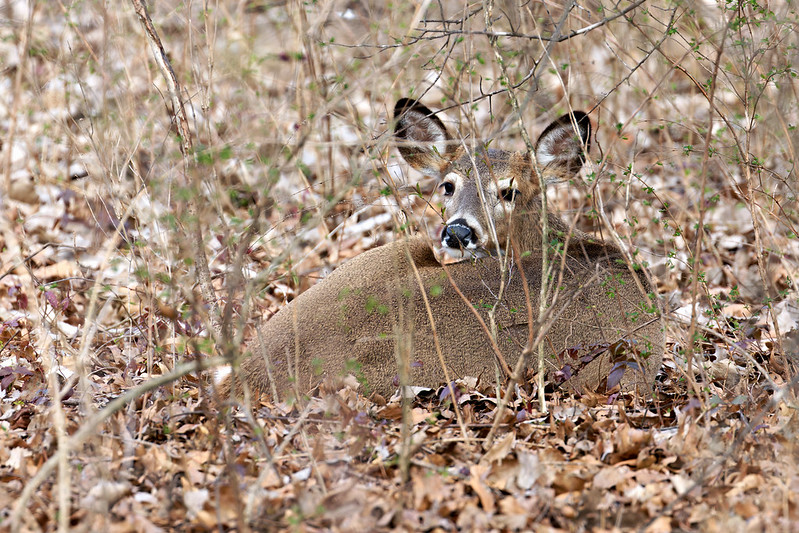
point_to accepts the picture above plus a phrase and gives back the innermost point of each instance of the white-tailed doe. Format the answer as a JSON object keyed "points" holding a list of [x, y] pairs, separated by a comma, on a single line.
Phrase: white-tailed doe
{"points": [[603, 326]]}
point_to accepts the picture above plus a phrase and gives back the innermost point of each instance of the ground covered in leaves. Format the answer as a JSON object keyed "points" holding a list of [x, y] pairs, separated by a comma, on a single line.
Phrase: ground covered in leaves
{"points": [[107, 423]]}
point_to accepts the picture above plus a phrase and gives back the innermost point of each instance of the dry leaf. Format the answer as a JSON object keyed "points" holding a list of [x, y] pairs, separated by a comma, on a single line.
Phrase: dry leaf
{"points": [[609, 477], [478, 473], [500, 449]]}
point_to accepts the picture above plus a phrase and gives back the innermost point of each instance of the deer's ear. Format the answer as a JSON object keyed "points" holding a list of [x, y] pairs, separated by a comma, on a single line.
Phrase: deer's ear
{"points": [[561, 148], [423, 139]]}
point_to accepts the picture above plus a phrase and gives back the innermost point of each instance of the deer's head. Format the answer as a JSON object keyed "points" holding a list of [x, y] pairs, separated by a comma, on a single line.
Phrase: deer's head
{"points": [[487, 192]]}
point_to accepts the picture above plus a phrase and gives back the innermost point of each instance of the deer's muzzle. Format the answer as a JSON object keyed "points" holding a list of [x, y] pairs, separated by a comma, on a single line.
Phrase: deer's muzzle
{"points": [[458, 235]]}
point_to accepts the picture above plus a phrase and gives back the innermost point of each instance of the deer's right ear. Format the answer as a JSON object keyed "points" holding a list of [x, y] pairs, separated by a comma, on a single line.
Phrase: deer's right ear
{"points": [[423, 139]]}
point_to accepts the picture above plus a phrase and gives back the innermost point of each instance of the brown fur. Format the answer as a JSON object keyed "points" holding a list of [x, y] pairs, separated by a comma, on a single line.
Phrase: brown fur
{"points": [[350, 323], [360, 317]]}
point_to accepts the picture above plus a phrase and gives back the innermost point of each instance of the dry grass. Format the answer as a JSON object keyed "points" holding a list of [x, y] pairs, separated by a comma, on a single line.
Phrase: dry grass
{"points": [[695, 108]]}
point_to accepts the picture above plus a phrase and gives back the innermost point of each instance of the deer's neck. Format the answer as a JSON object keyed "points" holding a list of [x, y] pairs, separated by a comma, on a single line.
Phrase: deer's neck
{"points": [[528, 236]]}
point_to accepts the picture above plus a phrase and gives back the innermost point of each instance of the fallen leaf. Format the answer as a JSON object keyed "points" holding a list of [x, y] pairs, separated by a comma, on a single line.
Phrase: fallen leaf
{"points": [[609, 477], [500, 449], [478, 472]]}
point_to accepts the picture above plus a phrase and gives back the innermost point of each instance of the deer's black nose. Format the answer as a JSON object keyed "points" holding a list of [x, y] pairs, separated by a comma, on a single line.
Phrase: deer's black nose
{"points": [[457, 234]]}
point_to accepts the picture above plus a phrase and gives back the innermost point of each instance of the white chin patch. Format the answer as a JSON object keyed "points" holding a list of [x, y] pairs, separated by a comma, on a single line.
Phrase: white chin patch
{"points": [[459, 254]]}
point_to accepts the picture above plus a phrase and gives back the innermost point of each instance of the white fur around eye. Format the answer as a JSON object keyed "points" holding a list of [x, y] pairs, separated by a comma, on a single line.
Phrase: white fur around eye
{"points": [[502, 209], [506, 183], [453, 177]]}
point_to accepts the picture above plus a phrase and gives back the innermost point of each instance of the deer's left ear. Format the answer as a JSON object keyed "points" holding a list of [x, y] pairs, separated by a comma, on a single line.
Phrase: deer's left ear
{"points": [[423, 137], [561, 148]]}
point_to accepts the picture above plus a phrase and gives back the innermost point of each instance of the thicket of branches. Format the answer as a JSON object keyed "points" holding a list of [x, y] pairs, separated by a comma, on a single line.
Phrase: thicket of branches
{"points": [[174, 173]]}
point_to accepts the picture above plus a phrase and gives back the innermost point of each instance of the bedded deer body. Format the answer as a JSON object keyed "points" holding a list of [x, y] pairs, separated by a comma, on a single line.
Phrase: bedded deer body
{"points": [[370, 313]]}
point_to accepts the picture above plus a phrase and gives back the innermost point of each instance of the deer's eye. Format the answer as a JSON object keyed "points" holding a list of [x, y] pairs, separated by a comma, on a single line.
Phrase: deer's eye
{"points": [[448, 187], [508, 194]]}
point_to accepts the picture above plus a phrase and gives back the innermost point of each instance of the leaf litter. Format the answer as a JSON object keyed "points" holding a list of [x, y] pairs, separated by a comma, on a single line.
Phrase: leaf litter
{"points": [[720, 457]]}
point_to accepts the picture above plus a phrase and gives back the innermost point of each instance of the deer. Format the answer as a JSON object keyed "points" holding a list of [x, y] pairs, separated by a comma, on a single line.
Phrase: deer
{"points": [[399, 304]]}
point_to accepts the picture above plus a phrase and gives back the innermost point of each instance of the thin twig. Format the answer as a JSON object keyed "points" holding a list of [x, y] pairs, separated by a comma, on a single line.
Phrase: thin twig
{"points": [[423, 292], [489, 4], [182, 125]]}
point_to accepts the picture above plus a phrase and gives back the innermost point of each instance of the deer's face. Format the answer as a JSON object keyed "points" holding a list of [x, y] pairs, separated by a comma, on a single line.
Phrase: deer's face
{"points": [[482, 191], [485, 189]]}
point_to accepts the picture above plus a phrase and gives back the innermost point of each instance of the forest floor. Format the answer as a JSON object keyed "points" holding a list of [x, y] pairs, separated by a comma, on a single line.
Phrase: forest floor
{"points": [[107, 425]]}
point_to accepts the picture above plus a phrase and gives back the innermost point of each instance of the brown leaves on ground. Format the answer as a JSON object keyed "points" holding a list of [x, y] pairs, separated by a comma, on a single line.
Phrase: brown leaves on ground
{"points": [[172, 461]]}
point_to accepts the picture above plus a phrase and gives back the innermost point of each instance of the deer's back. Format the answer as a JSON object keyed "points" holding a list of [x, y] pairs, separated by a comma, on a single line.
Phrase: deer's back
{"points": [[358, 319]]}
